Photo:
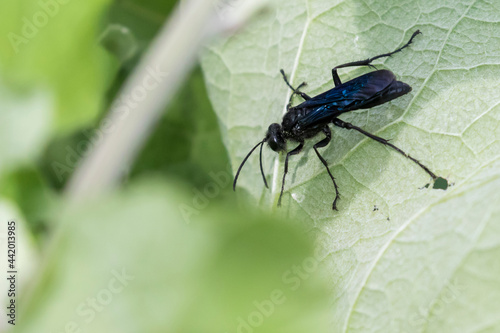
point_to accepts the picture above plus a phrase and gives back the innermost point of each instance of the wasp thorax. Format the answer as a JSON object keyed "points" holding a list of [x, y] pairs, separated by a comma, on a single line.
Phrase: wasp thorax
{"points": [[274, 138]]}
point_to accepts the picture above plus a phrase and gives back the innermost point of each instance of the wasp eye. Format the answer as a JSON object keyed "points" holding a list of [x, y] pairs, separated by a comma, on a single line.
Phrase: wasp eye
{"points": [[274, 144]]}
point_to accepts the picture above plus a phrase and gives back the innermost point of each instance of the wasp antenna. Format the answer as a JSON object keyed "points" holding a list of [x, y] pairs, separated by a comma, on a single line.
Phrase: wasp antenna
{"points": [[242, 163], [262, 169]]}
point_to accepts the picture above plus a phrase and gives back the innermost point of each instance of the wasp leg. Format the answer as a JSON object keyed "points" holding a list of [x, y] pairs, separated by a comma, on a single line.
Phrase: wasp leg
{"points": [[295, 90], [343, 124], [292, 152], [320, 144], [367, 62]]}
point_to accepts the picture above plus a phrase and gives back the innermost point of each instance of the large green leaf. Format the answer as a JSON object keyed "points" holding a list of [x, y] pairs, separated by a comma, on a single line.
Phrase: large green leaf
{"points": [[131, 262], [395, 248]]}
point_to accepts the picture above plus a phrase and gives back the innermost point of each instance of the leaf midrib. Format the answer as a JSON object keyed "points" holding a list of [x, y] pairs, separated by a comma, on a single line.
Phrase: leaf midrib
{"points": [[275, 181]]}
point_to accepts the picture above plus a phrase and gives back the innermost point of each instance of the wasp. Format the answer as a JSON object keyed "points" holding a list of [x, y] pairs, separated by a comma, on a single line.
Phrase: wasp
{"points": [[313, 116]]}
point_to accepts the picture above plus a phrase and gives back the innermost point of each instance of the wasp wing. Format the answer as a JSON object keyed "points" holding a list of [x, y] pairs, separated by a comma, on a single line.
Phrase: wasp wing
{"points": [[365, 91]]}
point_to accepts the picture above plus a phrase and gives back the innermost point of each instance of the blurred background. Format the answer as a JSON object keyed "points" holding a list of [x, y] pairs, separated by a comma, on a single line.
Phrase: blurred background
{"points": [[137, 229], [164, 251]]}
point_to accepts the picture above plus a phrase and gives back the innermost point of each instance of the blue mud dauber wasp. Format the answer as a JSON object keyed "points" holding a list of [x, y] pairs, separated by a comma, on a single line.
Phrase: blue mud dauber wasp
{"points": [[312, 116]]}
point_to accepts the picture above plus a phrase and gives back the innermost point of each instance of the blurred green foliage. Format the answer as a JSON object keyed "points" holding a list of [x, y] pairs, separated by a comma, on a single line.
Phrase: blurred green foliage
{"points": [[166, 251], [130, 262], [187, 142]]}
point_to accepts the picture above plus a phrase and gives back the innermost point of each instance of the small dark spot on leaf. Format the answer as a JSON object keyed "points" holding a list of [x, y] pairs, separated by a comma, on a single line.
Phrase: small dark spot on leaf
{"points": [[440, 184], [375, 208], [425, 186]]}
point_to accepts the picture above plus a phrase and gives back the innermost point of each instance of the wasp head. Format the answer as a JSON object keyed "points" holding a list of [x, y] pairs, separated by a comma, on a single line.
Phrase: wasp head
{"points": [[274, 138]]}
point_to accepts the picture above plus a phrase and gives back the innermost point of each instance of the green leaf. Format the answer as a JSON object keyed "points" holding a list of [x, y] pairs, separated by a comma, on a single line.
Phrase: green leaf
{"points": [[450, 122], [190, 131], [133, 24], [25, 122], [53, 44], [21, 140], [131, 262], [28, 189], [439, 271]]}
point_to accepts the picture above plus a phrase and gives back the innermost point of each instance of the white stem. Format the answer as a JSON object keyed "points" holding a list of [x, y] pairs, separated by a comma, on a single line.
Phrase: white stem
{"points": [[146, 93]]}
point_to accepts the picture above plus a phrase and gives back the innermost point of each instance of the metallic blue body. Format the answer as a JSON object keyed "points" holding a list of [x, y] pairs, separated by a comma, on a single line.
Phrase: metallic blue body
{"points": [[310, 117]]}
